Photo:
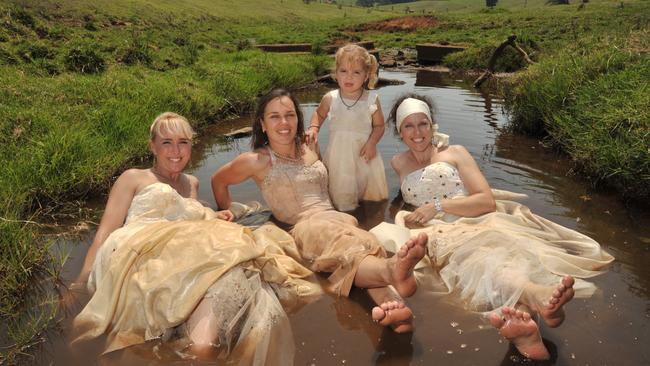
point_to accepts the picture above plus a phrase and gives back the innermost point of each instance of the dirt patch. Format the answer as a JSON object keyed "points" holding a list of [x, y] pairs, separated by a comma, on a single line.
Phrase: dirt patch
{"points": [[399, 24]]}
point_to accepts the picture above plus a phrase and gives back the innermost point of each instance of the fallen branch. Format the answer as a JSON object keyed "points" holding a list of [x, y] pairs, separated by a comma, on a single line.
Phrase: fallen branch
{"points": [[511, 41]]}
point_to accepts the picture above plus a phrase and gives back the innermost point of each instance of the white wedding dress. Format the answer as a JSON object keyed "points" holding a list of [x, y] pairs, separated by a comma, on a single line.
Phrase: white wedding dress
{"points": [[170, 254]]}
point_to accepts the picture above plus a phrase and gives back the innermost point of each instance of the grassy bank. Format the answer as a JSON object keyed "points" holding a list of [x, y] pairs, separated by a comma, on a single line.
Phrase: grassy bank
{"points": [[595, 105], [80, 85]]}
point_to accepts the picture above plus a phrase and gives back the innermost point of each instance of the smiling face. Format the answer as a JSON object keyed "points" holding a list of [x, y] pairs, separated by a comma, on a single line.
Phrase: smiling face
{"points": [[172, 150], [351, 76], [280, 121], [416, 131]]}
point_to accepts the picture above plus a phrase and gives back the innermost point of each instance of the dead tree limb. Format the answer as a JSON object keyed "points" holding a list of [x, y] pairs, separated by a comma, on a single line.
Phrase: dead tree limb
{"points": [[511, 41]]}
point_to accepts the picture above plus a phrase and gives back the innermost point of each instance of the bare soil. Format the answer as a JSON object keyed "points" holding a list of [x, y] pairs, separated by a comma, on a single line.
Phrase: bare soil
{"points": [[399, 24]]}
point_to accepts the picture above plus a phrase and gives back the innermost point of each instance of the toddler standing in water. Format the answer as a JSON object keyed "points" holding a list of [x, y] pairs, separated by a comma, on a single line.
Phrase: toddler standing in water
{"points": [[356, 172]]}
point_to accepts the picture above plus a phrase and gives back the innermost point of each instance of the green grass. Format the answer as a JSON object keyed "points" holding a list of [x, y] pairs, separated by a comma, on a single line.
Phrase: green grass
{"points": [[597, 110]]}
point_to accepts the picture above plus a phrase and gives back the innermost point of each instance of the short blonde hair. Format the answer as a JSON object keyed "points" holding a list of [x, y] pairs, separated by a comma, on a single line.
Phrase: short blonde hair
{"points": [[173, 123], [351, 53]]}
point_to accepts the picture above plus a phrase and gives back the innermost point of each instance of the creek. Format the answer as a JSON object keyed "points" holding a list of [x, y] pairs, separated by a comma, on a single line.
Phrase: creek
{"points": [[610, 328]]}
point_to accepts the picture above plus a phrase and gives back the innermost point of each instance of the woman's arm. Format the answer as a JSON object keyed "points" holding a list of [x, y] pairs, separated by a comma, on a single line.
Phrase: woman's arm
{"points": [[117, 207], [369, 149], [243, 167], [479, 199]]}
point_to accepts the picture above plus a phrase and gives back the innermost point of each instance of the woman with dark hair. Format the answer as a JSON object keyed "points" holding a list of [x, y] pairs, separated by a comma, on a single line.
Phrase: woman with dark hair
{"points": [[293, 182], [492, 255]]}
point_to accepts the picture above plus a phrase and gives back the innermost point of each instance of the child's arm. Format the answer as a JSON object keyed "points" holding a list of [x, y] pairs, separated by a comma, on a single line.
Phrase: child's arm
{"points": [[369, 149], [317, 119]]}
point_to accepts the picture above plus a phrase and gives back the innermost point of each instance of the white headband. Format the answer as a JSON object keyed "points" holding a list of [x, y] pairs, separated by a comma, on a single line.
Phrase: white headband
{"points": [[410, 106]]}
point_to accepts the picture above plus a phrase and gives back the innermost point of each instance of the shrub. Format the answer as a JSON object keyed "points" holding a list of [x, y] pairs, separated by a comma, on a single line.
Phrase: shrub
{"points": [[90, 25], [7, 58], [31, 52], [85, 60], [137, 52], [23, 17]]}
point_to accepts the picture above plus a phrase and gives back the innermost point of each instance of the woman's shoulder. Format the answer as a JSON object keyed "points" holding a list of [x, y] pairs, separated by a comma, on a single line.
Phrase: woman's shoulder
{"points": [[132, 181], [133, 176], [255, 159], [194, 181], [399, 161], [455, 150]]}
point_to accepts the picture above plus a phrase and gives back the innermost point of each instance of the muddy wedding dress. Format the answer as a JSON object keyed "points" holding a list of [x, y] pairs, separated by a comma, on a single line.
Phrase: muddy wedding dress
{"points": [[327, 240], [484, 262], [170, 254]]}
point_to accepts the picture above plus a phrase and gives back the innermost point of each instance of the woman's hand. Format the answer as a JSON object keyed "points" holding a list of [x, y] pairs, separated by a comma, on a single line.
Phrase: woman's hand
{"points": [[422, 215], [368, 151], [226, 215], [70, 297]]}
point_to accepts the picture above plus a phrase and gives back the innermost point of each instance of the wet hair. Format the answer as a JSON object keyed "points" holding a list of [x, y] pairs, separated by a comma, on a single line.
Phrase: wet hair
{"points": [[172, 122], [259, 138], [353, 53], [392, 117]]}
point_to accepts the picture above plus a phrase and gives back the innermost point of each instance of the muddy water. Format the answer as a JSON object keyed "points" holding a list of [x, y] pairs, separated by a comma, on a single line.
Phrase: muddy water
{"points": [[612, 328]]}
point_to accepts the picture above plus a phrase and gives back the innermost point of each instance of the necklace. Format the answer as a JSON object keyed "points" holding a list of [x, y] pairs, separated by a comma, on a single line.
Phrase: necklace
{"points": [[351, 105], [286, 157]]}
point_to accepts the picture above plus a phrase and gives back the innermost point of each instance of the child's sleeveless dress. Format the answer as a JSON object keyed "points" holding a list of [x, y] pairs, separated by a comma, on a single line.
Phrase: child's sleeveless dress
{"points": [[350, 178]]}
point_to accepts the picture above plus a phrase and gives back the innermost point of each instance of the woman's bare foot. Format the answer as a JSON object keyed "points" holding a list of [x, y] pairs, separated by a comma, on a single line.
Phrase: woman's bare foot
{"points": [[405, 260], [394, 314], [519, 328], [552, 311]]}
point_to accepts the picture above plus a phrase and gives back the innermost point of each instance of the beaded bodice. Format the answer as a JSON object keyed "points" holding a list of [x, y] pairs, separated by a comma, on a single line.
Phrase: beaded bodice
{"points": [[437, 180], [294, 190]]}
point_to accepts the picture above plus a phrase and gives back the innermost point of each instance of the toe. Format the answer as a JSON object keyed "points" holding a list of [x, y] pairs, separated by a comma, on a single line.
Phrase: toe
{"points": [[378, 314]]}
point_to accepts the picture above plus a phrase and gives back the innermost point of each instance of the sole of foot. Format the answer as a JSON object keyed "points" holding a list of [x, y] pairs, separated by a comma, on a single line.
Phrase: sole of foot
{"points": [[395, 315], [519, 328], [553, 312], [407, 257]]}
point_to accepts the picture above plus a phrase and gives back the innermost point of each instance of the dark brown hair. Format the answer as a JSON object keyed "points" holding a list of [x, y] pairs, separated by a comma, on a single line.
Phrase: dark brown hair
{"points": [[392, 117], [259, 138]]}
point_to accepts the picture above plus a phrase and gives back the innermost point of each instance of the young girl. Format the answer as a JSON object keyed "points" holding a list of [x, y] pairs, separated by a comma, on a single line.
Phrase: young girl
{"points": [[357, 123]]}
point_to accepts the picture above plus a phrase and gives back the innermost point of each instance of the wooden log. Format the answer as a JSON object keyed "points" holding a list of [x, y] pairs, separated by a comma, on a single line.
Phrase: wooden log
{"points": [[434, 53], [510, 41], [285, 47], [242, 132]]}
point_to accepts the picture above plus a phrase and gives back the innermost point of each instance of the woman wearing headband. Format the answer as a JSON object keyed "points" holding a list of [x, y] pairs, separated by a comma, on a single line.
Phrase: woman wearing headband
{"points": [[493, 256]]}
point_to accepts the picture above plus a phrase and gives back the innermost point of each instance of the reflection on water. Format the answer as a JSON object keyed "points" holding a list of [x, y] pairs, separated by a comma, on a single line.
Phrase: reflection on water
{"points": [[338, 331]]}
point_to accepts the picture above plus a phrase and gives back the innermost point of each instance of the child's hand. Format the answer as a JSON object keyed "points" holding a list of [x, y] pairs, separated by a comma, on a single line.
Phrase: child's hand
{"points": [[368, 151], [311, 136], [225, 215]]}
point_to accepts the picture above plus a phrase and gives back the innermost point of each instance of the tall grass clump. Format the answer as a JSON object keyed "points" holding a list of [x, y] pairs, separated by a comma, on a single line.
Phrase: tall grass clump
{"points": [[478, 57], [595, 105]]}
